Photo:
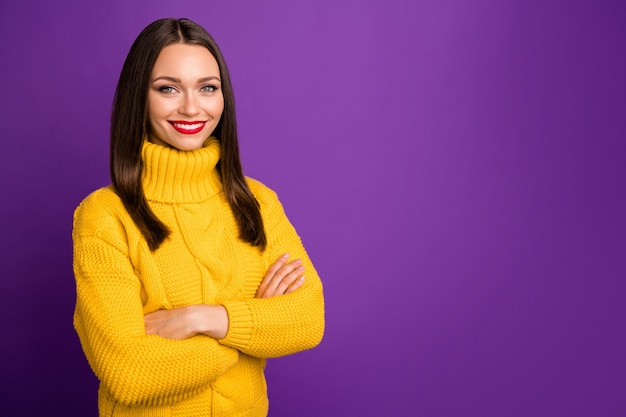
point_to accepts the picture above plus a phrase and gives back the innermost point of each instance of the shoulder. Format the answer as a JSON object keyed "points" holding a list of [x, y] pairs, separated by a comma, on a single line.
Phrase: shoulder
{"points": [[103, 200], [102, 209], [271, 207], [264, 194]]}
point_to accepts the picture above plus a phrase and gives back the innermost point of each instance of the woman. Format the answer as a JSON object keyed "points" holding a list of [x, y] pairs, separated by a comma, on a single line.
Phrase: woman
{"points": [[188, 274]]}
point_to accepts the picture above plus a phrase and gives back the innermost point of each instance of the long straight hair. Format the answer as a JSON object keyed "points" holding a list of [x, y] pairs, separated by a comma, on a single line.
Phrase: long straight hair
{"points": [[129, 126]]}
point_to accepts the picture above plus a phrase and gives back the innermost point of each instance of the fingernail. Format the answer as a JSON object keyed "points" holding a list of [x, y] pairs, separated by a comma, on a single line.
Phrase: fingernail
{"points": [[285, 256]]}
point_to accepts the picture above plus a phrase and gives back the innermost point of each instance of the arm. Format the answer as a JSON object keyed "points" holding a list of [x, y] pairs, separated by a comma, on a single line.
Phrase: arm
{"points": [[212, 320], [134, 367], [289, 323]]}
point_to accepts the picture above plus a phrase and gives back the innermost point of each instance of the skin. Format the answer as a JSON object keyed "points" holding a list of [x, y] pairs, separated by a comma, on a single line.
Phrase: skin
{"points": [[185, 87]]}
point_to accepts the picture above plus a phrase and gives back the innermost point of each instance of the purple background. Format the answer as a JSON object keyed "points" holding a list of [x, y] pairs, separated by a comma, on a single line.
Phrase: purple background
{"points": [[456, 170]]}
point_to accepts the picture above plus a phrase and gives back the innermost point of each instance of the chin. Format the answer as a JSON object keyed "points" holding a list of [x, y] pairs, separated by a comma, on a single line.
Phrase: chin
{"points": [[189, 146]]}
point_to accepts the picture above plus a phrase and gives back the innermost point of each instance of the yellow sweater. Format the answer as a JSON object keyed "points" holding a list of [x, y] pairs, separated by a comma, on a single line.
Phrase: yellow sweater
{"points": [[118, 281]]}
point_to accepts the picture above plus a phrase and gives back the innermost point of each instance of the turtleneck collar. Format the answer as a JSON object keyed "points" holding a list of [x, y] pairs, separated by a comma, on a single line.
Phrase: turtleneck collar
{"points": [[173, 176]]}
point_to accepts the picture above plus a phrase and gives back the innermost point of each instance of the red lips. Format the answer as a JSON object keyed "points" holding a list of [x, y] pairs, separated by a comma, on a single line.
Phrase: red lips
{"points": [[187, 128]]}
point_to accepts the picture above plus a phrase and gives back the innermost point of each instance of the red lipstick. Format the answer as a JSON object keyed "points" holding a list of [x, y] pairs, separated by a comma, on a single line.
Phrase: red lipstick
{"points": [[187, 128]]}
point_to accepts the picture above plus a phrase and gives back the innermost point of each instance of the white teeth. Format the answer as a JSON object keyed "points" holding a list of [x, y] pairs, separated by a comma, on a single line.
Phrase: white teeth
{"points": [[188, 127]]}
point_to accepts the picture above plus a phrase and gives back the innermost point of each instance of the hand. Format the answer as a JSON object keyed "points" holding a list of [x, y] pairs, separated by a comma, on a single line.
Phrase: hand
{"points": [[182, 323], [281, 278]]}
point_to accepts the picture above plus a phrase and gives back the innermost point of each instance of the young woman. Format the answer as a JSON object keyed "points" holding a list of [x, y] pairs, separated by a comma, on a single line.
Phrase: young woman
{"points": [[188, 274]]}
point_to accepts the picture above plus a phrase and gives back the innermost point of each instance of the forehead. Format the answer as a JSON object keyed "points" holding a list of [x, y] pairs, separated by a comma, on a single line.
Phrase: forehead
{"points": [[184, 60]]}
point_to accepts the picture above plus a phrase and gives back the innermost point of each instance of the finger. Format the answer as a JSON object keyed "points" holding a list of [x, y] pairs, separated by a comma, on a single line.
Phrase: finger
{"points": [[284, 277], [151, 325], [150, 329], [299, 283], [270, 273], [282, 272], [288, 280]]}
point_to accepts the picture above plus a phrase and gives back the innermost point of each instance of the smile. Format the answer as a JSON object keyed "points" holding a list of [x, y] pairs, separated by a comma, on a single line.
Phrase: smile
{"points": [[188, 128]]}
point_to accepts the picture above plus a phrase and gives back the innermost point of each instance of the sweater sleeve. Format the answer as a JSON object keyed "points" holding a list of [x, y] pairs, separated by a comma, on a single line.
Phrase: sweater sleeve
{"points": [[135, 368], [286, 324]]}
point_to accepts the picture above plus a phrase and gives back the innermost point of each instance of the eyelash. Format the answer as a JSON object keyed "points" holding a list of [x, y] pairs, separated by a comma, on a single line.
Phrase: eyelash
{"points": [[167, 89], [211, 88]]}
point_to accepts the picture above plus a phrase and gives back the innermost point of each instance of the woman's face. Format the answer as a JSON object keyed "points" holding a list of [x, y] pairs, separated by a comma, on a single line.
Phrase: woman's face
{"points": [[185, 100]]}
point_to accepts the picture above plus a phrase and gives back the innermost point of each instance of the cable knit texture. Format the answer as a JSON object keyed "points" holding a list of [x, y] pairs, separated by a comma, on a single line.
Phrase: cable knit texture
{"points": [[119, 280]]}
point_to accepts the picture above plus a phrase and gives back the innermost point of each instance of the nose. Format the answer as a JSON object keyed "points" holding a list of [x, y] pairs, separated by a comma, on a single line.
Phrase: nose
{"points": [[189, 105]]}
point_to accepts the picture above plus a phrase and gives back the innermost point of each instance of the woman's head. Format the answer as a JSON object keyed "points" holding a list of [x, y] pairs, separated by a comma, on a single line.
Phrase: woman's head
{"points": [[131, 113], [131, 123], [185, 101]]}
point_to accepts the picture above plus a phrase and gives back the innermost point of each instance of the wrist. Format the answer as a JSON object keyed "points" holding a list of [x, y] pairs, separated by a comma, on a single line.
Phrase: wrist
{"points": [[211, 320]]}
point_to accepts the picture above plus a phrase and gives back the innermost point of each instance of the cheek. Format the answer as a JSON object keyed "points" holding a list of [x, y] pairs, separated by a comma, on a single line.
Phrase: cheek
{"points": [[152, 118], [217, 108], [155, 110], [156, 117]]}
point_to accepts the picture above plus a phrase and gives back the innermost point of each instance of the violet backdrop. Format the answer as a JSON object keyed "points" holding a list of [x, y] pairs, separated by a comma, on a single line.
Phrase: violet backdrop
{"points": [[455, 168]]}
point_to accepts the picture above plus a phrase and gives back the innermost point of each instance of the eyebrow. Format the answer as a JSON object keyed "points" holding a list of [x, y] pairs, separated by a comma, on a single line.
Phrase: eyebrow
{"points": [[177, 80]]}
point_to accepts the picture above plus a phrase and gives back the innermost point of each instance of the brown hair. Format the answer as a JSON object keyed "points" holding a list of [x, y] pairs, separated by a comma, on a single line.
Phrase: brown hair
{"points": [[129, 124]]}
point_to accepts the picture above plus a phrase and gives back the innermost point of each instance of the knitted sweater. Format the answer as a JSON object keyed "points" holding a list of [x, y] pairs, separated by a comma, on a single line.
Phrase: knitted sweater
{"points": [[119, 280]]}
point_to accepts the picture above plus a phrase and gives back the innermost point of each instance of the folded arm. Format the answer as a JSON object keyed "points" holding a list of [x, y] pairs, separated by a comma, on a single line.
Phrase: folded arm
{"points": [[284, 324], [136, 368]]}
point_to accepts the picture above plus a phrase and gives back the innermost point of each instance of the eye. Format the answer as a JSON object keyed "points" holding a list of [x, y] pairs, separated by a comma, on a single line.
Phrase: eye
{"points": [[208, 89], [167, 89]]}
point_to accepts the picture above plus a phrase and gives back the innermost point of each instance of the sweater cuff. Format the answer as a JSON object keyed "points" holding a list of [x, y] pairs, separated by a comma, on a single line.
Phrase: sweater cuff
{"points": [[239, 324]]}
